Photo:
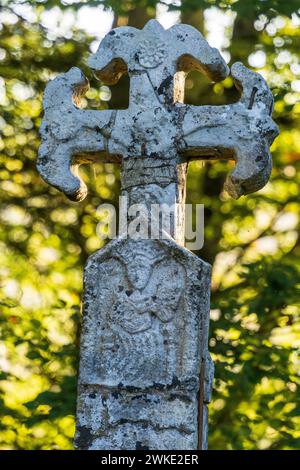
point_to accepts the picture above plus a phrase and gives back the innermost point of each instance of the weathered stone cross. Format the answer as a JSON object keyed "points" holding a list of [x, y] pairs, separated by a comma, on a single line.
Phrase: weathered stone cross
{"points": [[145, 372]]}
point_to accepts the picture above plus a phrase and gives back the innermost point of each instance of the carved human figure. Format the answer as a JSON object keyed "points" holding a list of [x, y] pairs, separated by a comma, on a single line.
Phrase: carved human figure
{"points": [[139, 306]]}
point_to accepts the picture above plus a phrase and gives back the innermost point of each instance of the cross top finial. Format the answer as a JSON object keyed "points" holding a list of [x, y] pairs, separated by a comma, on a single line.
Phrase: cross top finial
{"points": [[157, 134]]}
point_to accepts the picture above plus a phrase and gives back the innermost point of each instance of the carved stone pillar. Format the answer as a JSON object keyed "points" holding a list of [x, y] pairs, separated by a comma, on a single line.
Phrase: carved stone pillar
{"points": [[145, 373]]}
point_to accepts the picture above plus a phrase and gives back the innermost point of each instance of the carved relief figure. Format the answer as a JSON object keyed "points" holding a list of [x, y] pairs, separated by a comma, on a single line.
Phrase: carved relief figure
{"points": [[146, 291], [139, 309]]}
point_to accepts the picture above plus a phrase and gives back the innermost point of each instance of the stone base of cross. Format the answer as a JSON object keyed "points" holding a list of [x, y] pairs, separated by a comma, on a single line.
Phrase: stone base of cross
{"points": [[145, 373], [144, 348]]}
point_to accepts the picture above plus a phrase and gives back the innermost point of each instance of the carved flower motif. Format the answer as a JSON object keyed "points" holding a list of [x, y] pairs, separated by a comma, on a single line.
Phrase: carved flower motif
{"points": [[151, 53]]}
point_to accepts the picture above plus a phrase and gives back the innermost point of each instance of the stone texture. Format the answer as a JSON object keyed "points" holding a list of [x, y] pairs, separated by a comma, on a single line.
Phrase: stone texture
{"points": [[243, 131], [156, 126], [143, 342], [145, 372]]}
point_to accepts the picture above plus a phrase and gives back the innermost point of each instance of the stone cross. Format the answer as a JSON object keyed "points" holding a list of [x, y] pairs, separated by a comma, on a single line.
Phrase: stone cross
{"points": [[145, 373]]}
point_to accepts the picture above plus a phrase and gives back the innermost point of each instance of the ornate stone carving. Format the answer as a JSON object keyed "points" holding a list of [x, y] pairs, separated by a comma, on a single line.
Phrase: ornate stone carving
{"points": [[145, 372], [151, 53], [153, 127]]}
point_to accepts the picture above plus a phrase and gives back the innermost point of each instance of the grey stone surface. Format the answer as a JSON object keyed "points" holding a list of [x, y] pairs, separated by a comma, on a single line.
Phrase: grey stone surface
{"points": [[145, 372], [156, 126], [142, 342]]}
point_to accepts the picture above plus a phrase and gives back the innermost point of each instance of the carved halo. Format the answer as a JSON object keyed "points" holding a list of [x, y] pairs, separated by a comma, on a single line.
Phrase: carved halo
{"points": [[135, 249]]}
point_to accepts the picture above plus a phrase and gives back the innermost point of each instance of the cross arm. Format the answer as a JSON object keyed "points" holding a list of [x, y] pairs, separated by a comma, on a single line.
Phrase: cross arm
{"points": [[242, 131], [71, 136]]}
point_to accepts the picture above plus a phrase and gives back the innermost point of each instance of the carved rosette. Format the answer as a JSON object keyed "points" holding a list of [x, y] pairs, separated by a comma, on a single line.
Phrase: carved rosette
{"points": [[151, 53]]}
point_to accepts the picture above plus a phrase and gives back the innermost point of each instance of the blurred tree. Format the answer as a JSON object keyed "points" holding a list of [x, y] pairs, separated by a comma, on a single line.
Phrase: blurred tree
{"points": [[253, 243]]}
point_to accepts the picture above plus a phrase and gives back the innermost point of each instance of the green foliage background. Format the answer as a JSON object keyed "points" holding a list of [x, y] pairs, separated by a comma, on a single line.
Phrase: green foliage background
{"points": [[253, 243]]}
